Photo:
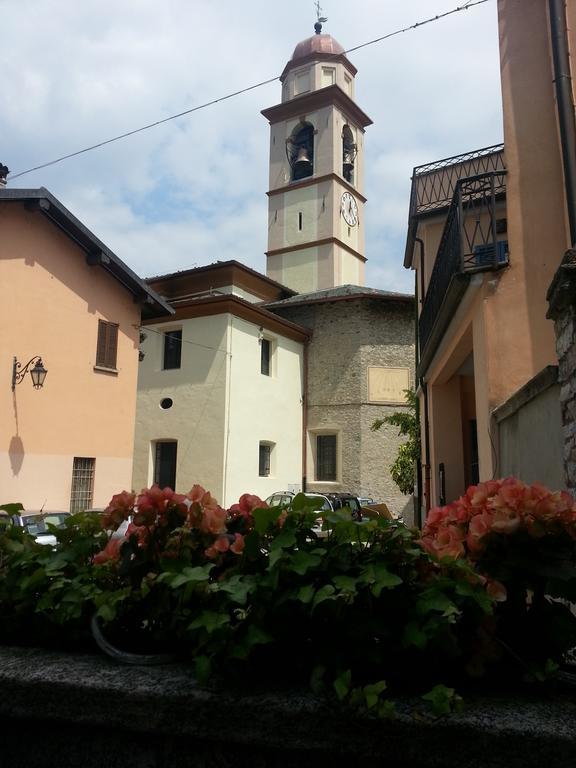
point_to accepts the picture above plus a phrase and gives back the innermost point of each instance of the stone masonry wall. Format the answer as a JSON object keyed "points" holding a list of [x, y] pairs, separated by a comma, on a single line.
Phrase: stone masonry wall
{"points": [[348, 336], [562, 301]]}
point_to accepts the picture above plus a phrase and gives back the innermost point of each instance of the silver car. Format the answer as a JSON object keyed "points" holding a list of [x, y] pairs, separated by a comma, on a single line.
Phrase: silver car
{"points": [[36, 524]]}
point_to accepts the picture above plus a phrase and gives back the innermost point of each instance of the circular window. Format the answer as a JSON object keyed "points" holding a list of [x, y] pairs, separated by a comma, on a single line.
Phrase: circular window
{"points": [[166, 403]]}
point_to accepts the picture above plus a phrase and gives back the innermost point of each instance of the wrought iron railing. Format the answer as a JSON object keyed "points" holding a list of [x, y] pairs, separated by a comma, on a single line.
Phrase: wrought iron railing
{"points": [[469, 242], [434, 184]]}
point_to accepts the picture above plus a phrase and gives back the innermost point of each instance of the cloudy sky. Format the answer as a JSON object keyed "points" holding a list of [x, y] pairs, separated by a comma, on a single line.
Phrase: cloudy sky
{"points": [[192, 191]]}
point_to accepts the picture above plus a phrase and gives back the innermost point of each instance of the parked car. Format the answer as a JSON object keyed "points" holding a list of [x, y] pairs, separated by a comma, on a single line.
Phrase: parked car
{"points": [[330, 502], [36, 524]]}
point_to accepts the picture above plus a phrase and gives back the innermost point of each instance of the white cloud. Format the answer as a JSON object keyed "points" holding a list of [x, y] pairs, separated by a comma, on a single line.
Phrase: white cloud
{"points": [[193, 190]]}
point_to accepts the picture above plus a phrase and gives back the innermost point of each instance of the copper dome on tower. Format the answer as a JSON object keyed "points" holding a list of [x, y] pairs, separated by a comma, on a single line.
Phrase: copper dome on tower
{"points": [[324, 44]]}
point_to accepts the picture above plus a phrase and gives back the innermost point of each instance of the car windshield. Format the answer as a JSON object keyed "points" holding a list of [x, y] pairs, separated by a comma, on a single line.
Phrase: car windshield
{"points": [[37, 525]]}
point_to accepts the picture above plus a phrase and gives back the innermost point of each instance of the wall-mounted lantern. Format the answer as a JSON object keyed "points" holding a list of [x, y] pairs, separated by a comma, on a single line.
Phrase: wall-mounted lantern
{"points": [[37, 373]]}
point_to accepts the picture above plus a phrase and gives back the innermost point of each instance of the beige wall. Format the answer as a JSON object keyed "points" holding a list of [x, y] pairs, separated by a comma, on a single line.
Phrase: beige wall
{"points": [[312, 75], [52, 309], [198, 391]]}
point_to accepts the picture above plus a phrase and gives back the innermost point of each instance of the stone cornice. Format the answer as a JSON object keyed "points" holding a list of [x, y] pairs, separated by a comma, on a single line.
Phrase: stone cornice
{"points": [[302, 105], [311, 180], [317, 244]]}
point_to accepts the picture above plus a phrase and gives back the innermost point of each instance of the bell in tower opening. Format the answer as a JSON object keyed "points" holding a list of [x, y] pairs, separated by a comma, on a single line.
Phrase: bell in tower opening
{"points": [[300, 151], [348, 154]]}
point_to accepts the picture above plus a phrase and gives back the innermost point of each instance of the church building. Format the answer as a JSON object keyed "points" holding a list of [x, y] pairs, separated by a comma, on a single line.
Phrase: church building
{"points": [[268, 383]]}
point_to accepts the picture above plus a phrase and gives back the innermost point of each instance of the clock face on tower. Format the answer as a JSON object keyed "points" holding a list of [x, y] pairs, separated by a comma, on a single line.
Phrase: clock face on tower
{"points": [[349, 209]]}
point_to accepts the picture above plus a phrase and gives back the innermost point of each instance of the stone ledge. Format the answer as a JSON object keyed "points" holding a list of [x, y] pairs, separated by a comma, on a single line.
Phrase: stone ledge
{"points": [[70, 710], [543, 380]]}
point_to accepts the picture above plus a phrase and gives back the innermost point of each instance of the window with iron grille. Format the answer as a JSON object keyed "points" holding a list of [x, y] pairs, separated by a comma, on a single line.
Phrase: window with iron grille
{"points": [[107, 346], [264, 456], [326, 457], [82, 483], [165, 464], [172, 349]]}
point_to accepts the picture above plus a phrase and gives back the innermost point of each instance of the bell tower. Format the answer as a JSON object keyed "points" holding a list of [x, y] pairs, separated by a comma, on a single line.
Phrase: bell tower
{"points": [[316, 200]]}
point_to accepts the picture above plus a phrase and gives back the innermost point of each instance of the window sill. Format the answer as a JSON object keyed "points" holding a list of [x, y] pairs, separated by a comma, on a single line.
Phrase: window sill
{"points": [[103, 369]]}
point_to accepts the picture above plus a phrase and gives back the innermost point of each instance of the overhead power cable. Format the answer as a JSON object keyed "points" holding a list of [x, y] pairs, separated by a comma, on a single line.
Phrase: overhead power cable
{"points": [[211, 103]]}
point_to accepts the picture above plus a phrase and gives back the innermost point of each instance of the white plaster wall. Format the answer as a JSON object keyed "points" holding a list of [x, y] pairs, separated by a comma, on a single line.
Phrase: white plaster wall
{"points": [[263, 408], [197, 417], [240, 292]]}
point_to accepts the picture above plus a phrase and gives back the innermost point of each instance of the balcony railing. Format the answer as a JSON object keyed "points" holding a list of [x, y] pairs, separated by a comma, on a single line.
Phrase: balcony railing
{"points": [[469, 242]]}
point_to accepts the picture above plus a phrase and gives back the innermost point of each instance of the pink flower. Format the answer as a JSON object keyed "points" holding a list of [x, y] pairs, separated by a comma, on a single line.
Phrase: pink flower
{"points": [[246, 503], [118, 510], [213, 520], [154, 503], [222, 544], [448, 542], [238, 545], [496, 590], [479, 526], [110, 552]]}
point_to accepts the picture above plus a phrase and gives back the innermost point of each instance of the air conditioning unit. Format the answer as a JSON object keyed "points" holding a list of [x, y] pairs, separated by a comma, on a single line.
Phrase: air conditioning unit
{"points": [[484, 254]]}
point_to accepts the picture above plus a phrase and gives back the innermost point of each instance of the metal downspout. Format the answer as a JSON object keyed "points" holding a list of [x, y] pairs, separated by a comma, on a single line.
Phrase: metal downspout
{"points": [[424, 388], [304, 412], [564, 105]]}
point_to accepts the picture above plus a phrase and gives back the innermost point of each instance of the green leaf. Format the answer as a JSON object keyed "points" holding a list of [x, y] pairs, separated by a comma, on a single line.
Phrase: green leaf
{"points": [[342, 684], [306, 593], [252, 546], [238, 587], [432, 600], [210, 621], [413, 635], [13, 508], [372, 693], [317, 679], [324, 593], [284, 540], [346, 583], [386, 709], [265, 518], [302, 503], [188, 575], [443, 700], [301, 562], [202, 669], [379, 577]]}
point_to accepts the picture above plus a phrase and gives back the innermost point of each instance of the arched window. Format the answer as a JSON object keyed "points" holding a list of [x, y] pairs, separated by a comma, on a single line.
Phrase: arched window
{"points": [[349, 150], [300, 151]]}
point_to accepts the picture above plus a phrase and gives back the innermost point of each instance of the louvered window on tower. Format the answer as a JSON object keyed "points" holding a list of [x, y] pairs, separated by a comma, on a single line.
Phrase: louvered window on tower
{"points": [[107, 346]]}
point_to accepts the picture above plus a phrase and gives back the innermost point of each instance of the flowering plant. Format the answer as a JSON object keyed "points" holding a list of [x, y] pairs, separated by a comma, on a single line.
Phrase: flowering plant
{"points": [[522, 540], [170, 540]]}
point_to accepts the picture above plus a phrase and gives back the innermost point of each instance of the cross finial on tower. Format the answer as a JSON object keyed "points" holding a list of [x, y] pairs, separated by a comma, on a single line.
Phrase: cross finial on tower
{"points": [[321, 19]]}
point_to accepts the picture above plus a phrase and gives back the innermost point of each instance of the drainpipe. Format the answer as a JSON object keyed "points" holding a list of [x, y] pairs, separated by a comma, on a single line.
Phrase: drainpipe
{"points": [[564, 105], [304, 411], [424, 388]]}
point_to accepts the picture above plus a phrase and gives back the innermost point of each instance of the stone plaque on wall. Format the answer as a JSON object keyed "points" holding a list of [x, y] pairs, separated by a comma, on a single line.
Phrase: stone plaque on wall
{"points": [[387, 385]]}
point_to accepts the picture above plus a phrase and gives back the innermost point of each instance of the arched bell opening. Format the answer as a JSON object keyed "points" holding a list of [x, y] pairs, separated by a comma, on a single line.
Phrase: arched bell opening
{"points": [[349, 151], [300, 151]]}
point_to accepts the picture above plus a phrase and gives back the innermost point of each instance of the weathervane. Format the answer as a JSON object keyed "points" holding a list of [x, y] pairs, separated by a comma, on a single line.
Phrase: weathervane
{"points": [[321, 19]]}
